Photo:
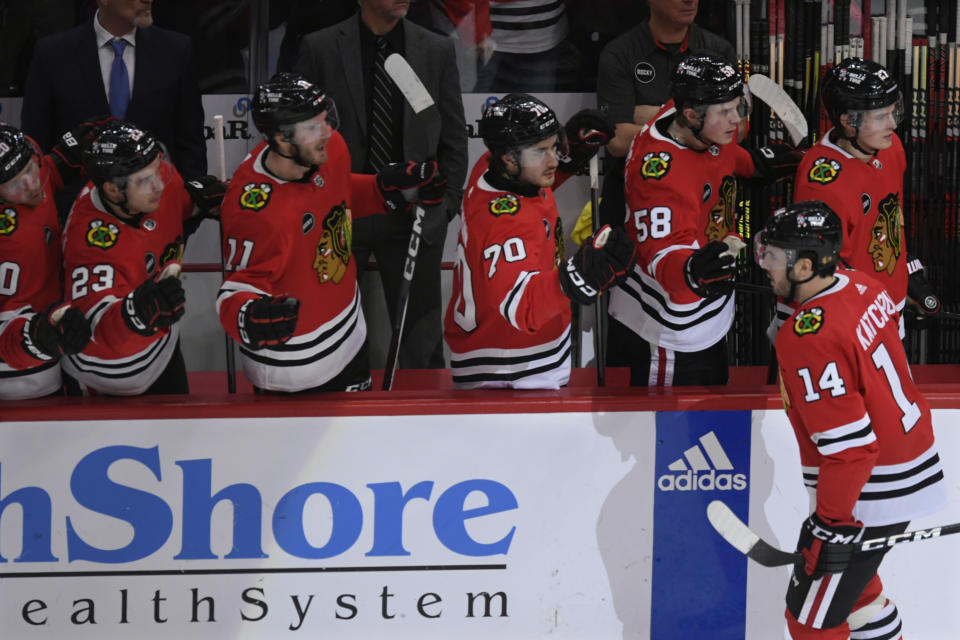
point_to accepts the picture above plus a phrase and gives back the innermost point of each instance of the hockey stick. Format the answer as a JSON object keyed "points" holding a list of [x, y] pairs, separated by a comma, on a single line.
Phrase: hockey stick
{"points": [[780, 103], [599, 307], [419, 99], [227, 341], [740, 536]]}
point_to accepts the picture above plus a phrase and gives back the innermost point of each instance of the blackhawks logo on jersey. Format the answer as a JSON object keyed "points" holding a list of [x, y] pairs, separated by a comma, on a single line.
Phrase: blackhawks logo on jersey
{"points": [[333, 249], [655, 165], [885, 241], [808, 321], [559, 250], [8, 221], [102, 234], [722, 217], [255, 196], [824, 171], [507, 204]]}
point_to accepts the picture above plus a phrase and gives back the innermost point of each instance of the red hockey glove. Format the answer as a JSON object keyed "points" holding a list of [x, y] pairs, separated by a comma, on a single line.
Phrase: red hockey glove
{"points": [[587, 132], [67, 153], [601, 262], [827, 547], [775, 161], [207, 194], [919, 289], [154, 305], [399, 183], [708, 272], [56, 332], [267, 321]]}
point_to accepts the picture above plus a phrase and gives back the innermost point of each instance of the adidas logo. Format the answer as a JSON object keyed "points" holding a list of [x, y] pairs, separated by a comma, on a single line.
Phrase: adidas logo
{"points": [[695, 471], [862, 289]]}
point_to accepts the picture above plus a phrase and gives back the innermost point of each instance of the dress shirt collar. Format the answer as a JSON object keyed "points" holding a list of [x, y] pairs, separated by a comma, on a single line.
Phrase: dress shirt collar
{"points": [[104, 36]]}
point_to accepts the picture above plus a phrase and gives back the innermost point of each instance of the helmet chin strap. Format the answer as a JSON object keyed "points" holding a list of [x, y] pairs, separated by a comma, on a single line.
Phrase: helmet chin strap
{"points": [[854, 140], [122, 205], [296, 157], [793, 283]]}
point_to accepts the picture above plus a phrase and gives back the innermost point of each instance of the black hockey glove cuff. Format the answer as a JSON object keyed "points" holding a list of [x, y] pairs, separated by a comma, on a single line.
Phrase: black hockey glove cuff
{"points": [[775, 161], [919, 289], [587, 132], [827, 547], [399, 184], [57, 331], [67, 152], [154, 305], [267, 321], [603, 261], [709, 270], [207, 194]]}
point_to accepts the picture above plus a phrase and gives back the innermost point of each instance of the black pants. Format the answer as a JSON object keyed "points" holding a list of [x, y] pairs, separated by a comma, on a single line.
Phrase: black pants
{"points": [[172, 380], [354, 377], [651, 366], [388, 237], [852, 583]]}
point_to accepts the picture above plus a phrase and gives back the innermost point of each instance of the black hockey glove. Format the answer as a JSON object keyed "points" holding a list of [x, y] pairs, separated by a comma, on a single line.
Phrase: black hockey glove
{"points": [[710, 273], [601, 262], [775, 161], [55, 332], [587, 131], [67, 153], [919, 289], [267, 321], [207, 194], [154, 305], [827, 548], [399, 184]]}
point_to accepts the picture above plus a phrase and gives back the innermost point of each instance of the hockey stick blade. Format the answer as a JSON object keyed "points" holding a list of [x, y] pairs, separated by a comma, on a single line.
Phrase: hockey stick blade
{"points": [[786, 109], [734, 531], [408, 82]]}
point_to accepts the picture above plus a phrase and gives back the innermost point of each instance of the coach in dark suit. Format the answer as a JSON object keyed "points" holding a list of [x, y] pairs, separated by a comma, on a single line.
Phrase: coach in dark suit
{"points": [[342, 60], [72, 78]]}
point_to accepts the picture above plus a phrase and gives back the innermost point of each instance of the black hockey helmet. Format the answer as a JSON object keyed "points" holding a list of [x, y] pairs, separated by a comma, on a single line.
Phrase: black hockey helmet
{"points": [[119, 149], [286, 99], [16, 149], [703, 78], [515, 121], [858, 85], [809, 228]]}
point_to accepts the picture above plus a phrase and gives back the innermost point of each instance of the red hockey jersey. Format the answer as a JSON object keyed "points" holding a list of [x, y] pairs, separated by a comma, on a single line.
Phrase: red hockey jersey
{"points": [[30, 260], [678, 200], [508, 321], [105, 258], [864, 430], [293, 238], [867, 197]]}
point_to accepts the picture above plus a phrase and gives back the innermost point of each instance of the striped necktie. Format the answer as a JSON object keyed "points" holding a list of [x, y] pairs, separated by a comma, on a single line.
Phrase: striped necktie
{"points": [[380, 151]]}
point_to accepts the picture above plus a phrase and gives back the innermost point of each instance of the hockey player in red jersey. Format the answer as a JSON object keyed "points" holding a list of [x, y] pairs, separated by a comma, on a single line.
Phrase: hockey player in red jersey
{"points": [[123, 240], [508, 320], [857, 168], [681, 198], [35, 329], [864, 430], [291, 298]]}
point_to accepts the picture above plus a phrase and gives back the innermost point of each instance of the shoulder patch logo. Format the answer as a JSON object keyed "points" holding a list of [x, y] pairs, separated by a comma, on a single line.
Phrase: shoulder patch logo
{"points": [[644, 72], [824, 171], [808, 321], [255, 196], [867, 202], [655, 165], [8, 221], [507, 204], [102, 234]]}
